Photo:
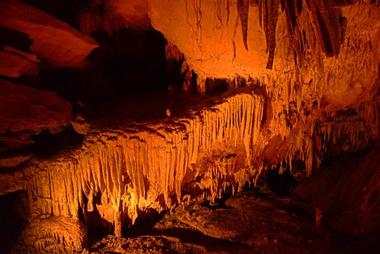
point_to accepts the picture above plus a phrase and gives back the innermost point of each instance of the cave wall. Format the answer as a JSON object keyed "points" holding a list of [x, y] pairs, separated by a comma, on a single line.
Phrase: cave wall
{"points": [[210, 35], [325, 58], [313, 101]]}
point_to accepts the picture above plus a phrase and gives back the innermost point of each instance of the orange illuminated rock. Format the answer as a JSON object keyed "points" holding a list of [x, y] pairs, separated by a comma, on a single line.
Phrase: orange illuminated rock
{"points": [[150, 166], [117, 173], [299, 102], [212, 37], [55, 235], [53, 40]]}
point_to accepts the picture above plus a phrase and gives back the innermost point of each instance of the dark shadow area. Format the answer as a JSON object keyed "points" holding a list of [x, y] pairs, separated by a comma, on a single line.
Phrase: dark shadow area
{"points": [[129, 63], [216, 86], [196, 237], [13, 218], [280, 183], [66, 11], [96, 225], [47, 143], [144, 223], [14, 38]]}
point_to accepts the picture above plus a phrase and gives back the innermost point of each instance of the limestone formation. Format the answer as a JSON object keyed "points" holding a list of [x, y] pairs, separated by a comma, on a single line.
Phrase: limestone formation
{"points": [[249, 86]]}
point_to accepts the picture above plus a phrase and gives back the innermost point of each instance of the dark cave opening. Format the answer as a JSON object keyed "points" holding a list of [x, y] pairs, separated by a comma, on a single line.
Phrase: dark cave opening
{"points": [[280, 183], [128, 64]]}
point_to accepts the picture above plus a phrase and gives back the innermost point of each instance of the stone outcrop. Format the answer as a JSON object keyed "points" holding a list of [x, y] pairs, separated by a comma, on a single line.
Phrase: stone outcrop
{"points": [[52, 40], [15, 66], [25, 109], [25, 113]]}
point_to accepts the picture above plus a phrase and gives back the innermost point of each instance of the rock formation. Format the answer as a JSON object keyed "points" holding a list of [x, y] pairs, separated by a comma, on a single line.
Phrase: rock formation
{"points": [[284, 85], [52, 40]]}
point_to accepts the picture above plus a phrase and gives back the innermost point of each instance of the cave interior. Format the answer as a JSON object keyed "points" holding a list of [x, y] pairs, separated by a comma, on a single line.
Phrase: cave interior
{"points": [[189, 126]]}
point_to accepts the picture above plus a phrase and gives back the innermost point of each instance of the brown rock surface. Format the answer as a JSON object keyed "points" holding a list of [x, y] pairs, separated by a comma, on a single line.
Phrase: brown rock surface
{"points": [[275, 225], [114, 15], [255, 221], [14, 66], [52, 40], [145, 244], [25, 109], [12, 181], [220, 223], [14, 161], [210, 35], [53, 235], [312, 77], [347, 193], [120, 172]]}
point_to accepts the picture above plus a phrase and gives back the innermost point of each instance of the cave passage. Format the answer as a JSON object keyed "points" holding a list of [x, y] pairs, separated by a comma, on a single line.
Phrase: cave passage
{"points": [[189, 126]]}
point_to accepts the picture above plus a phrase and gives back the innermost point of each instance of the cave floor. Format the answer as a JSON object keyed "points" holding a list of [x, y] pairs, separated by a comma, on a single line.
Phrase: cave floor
{"points": [[247, 223]]}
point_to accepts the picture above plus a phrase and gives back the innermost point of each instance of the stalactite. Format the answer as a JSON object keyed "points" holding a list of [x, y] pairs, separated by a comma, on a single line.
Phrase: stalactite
{"points": [[325, 24], [131, 169], [327, 28], [157, 165], [271, 33], [243, 9]]}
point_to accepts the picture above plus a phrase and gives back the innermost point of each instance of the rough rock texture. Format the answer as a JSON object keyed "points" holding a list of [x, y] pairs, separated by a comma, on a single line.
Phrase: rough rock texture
{"points": [[214, 46], [305, 91], [52, 40], [12, 181], [141, 167], [312, 71], [118, 174], [25, 112], [145, 244], [264, 224], [53, 235], [13, 161]]}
